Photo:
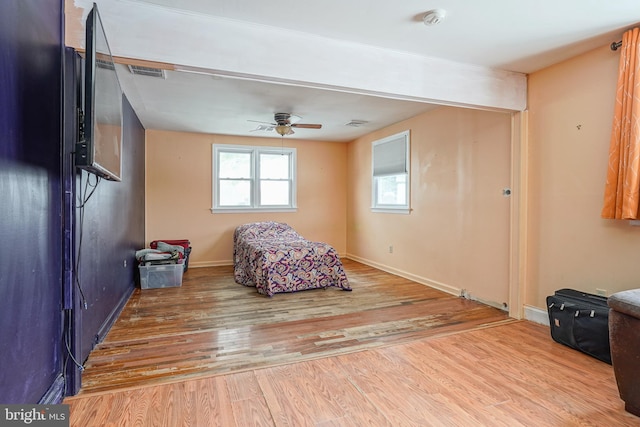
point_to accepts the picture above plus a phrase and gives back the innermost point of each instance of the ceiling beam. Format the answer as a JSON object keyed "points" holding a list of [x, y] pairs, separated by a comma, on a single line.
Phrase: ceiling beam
{"points": [[265, 53]]}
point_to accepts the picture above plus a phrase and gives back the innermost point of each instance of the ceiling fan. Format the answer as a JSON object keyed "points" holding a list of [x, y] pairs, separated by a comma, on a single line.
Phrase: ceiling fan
{"points": [[284, 124]]}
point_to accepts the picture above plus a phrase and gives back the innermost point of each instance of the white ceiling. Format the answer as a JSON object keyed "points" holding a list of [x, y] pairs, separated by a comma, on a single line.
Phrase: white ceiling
{"points": [[248, 59]]}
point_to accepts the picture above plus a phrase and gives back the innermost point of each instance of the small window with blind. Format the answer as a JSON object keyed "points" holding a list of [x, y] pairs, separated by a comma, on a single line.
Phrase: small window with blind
{"points": [[390, 177]]}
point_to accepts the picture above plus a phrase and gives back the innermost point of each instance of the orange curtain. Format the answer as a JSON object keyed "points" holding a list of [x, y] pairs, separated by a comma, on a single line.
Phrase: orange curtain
{"points": [[622, 190]]}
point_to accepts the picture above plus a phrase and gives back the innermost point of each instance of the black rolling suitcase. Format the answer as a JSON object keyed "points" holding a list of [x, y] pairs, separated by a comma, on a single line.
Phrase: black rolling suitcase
{"points": [[580, 321]]}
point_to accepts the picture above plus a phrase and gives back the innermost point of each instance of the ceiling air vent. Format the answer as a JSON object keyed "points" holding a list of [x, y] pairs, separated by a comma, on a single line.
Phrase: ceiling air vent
{"points": [[147, 71], [356, 123], [107, 65]]}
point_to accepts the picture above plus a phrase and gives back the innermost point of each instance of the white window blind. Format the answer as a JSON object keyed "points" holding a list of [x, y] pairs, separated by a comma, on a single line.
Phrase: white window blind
{"points": [[390, 174], [390, 156]]}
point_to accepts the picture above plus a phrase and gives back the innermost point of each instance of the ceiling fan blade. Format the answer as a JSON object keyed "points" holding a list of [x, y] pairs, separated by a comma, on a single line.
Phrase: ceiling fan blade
{"points": [[306, 126], [266, 123], [294, 119], [263, 127]]}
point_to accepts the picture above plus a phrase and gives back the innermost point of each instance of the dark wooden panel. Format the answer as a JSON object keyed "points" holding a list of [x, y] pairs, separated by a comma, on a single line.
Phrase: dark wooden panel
{"points": [[30, 187]]}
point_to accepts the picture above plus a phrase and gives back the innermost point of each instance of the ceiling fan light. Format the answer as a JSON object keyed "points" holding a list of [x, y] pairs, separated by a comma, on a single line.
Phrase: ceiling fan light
{"points": [[283, 130]]}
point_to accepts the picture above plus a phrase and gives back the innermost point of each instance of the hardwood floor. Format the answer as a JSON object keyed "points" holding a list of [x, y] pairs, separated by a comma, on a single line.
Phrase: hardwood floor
{"points": [[392, 352], [212, 325]]}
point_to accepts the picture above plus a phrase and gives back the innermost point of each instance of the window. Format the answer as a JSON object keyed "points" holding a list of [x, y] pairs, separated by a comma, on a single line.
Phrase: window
{"points": [[390, 174], [253, 178]]}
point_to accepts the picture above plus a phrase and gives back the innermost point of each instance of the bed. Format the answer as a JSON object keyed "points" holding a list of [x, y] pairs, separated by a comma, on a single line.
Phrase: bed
{"points": [[274, 258]]}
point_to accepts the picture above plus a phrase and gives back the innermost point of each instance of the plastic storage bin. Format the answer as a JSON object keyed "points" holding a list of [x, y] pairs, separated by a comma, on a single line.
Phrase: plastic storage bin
{"points": [[161, 276], [185, 243]]}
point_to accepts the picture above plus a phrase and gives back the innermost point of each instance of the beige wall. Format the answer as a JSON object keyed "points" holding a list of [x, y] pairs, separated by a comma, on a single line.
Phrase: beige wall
{"points": [[179, 193], [457, 234], [570, 114]]}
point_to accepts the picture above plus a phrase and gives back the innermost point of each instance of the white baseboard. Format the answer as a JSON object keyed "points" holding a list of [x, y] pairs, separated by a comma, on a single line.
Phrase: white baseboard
{"points": [[209, 264], [422, 280], [536, 315], [465, 294]]}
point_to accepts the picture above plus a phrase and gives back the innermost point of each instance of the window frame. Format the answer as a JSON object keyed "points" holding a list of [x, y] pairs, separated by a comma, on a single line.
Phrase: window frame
{"points": [[392, 208], [255, 152]]}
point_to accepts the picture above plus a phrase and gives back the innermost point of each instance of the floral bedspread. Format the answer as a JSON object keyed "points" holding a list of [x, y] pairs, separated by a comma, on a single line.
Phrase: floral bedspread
{"points": [[274, 258]]}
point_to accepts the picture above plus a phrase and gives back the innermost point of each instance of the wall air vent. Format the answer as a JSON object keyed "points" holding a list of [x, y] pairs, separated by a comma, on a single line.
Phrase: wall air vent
{"points": [[356, 123], [147, 71]]}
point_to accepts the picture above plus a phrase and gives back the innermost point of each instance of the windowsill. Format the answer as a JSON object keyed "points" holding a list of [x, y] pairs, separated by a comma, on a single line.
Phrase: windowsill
{"points": [[250, 210], [403, 211]]}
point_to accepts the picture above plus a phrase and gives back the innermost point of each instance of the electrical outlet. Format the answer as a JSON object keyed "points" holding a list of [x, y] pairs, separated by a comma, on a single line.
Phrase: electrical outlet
{"points": [[390, 249], [601, 292], [125, 263]]}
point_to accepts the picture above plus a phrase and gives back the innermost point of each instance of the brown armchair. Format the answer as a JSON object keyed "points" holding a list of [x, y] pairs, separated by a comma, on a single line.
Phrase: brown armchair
{"points": [[624, 335]]}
